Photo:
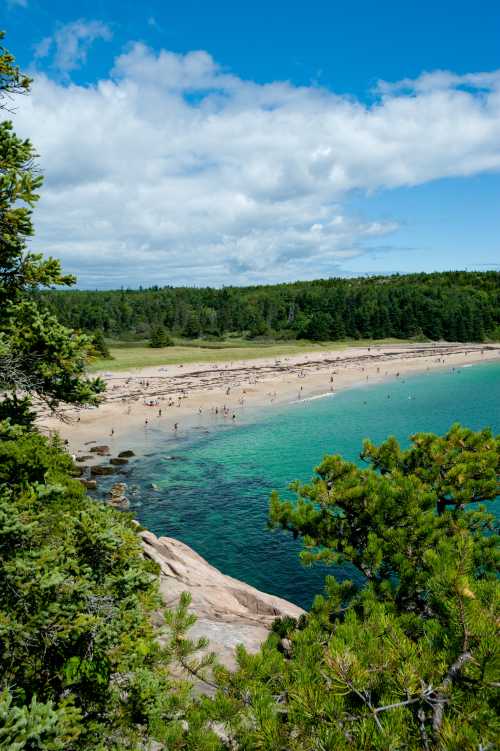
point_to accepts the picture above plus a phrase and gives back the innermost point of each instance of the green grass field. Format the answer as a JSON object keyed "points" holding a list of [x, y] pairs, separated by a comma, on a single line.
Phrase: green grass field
{"points": [[127, 355]]}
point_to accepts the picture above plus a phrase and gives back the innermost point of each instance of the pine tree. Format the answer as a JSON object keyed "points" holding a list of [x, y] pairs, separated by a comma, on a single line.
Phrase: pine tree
{"points": [[100, 345], [406, 654], [159, 337], [40, 359]]}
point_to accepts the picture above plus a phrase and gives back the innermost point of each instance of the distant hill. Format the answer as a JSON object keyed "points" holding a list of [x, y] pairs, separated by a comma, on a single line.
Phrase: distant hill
{"points": [[454, 305]]}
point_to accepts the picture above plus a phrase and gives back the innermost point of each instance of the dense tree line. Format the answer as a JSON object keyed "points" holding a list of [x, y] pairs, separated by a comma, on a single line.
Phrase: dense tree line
{"points": [[455, 306]]}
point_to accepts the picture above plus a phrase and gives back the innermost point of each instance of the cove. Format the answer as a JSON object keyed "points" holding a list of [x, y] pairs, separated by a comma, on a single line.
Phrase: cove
{"points": [[209, 486]]}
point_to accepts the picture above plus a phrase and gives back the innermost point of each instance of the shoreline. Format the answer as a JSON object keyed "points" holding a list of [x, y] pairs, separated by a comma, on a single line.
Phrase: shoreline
{"points": [[164, 396]]}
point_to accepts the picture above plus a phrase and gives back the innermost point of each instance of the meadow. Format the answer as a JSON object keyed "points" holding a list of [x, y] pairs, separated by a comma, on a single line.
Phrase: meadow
{"points": [[128, 355]]}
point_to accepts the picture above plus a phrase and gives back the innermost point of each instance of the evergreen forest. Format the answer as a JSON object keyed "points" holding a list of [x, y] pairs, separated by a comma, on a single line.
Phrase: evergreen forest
{"points": [[451, 306]]}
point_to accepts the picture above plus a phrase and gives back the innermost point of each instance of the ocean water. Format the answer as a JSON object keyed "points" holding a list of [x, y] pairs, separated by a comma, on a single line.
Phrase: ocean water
{"points": [[210, 486]]}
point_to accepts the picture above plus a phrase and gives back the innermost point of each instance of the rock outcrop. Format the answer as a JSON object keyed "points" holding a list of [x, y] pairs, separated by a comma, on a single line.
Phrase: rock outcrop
{"points": [[229, 611]]}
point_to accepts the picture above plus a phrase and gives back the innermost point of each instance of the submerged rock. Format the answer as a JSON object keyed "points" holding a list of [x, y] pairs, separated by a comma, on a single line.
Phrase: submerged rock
{"points": [[116, 496], [118, 460], [126, 454]]}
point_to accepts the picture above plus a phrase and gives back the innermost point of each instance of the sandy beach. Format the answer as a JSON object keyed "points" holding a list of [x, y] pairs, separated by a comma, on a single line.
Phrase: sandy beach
{"points": [[175, 394]]}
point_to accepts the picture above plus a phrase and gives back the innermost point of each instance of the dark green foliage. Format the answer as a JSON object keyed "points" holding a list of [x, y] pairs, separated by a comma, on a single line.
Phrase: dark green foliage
{"points": [[38, 355], [80, 666], [160, 337], [457, 305], [100, 346], [410, 659]]}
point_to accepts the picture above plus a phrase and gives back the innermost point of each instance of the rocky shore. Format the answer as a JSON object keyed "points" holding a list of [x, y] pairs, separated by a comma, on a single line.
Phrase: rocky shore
{"points": [[229, 612]]}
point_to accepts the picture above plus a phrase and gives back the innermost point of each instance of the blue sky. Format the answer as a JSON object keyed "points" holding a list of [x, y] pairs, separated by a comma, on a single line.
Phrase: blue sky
{"points": [[242, 143]]}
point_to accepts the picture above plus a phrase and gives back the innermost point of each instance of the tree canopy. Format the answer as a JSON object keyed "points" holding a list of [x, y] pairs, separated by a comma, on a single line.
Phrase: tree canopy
{"points": [[455, 306], [409, 658], [39, 357]]}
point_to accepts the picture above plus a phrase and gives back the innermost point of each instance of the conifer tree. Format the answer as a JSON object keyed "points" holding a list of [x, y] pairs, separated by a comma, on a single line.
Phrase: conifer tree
{"points": [[406, 655], [160, 337], [49, 357]]}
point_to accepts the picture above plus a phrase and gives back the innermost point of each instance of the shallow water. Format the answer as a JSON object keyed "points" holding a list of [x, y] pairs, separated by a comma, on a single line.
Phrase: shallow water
{"points": [[214, 493]]}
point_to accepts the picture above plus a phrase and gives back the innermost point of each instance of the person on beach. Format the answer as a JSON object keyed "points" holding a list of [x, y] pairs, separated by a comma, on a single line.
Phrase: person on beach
{"points": [[159, 413], [112, 432], [176, 425]]}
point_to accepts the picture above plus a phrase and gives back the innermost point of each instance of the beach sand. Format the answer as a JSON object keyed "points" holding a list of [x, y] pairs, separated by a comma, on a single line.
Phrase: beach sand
{"points": [[135, 398]]}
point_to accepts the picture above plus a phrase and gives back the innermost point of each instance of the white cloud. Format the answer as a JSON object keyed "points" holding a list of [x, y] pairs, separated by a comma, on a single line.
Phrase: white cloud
{"points": [[173, 170], [71, 43]]}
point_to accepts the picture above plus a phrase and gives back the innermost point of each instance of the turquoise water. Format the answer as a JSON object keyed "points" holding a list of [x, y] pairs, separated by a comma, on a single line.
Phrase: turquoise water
{"points": [[214, 494]]}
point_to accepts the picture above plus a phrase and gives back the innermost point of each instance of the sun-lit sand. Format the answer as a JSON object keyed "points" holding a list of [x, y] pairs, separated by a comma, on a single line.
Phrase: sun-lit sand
{"points": [[172, 395]]}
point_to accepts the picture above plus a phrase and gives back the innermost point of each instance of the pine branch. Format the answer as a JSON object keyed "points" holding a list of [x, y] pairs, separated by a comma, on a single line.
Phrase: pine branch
{"points": [[440, 698]]}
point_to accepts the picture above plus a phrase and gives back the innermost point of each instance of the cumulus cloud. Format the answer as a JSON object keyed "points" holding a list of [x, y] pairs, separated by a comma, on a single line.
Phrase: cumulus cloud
{"points": [[173, 170], [71, 43]]}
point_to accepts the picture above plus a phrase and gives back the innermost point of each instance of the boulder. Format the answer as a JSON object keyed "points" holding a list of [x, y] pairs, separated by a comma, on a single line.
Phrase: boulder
{"points": [[229, 612], [101, 450], [89, 484], [102, 469], [118, 460], [84, 458], [126, 454]]}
